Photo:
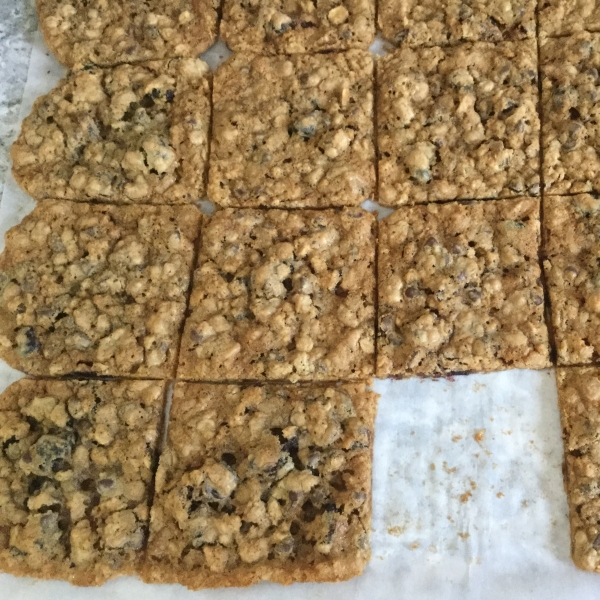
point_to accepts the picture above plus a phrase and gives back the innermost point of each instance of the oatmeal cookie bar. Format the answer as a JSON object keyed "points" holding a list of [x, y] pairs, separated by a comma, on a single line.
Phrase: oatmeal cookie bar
{"points": [[278, 27], [443, 22], [263, 483], [565, 17], [293, 131], [283, 295], [76, 463], [132, 134], [96, 289], [106, 33], [570, 95], [572, 271], [460, 290], [579, 401], [458, 123]]}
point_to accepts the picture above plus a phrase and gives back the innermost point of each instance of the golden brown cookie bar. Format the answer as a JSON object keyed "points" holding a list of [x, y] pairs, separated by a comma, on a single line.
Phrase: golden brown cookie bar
{"points": [[460, 290], [458, 123], [442, 22], [579, 401], [571, 132], [96, 289], [571, 252], [83, 32], [76, 464], [283, 295], [293, 131], [564, 17], [278, 27], [132, 134], [263, 483]]}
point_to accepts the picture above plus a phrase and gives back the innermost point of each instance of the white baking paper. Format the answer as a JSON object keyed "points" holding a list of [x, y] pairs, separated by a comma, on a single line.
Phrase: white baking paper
{"points": [[468, 500]]}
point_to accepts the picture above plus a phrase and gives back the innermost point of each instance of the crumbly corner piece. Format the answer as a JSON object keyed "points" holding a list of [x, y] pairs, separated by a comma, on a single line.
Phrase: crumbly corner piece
{"points": [[263, 483], [571, 132], [579, 401], [441, 22], [293, 131], [458, 123], [283, 295], [76, 464], [84, 32], [132, 134], [90, 288], [278, 27], [566, 17], [460, 289], [571, 253]]}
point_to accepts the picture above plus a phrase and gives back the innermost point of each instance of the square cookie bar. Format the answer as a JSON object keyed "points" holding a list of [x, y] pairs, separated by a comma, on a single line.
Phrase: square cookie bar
{"points": [[571, 131], [571, 252], [132, 134], [460, 290], [565, 17], [278, 27], [293, 131], [96, 289], [458, 123], [263, 483], [283, 295], [442, 22], [579, 401], [76, 465], [84, 32]]}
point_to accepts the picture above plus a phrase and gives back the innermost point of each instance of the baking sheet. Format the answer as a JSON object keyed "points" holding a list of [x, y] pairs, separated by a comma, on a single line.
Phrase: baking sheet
{"points": [[468, 501]]}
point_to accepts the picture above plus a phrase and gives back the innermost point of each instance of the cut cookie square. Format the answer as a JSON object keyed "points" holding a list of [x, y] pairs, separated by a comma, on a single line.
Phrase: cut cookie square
{"points": [[565, 17], [460, 290], [278, 27], [76, 466], [263, 483], [579, 401], [293, 131], [90, 288], [458, 123], [570, 109], [442, 22], [132, 134], [283, 295], [84, 32], [571, 252]]}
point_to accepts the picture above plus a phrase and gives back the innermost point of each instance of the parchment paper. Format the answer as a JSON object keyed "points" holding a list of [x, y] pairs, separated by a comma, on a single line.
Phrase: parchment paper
{"points": [[468, 500]]}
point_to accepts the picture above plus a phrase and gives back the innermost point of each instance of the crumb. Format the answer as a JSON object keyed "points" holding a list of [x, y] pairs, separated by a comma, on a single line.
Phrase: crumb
{"points": [[452, 470], [464, 535], [464, 498], [397, 530], [432, 466], [478, 437], [499, 495], [456, 438], [414, 545]]}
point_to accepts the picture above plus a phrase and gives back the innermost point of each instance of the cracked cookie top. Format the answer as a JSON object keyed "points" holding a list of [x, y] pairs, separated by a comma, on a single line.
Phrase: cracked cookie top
{"points": [[263, 483], [76, 463], [90, 288], [131, 134]]}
